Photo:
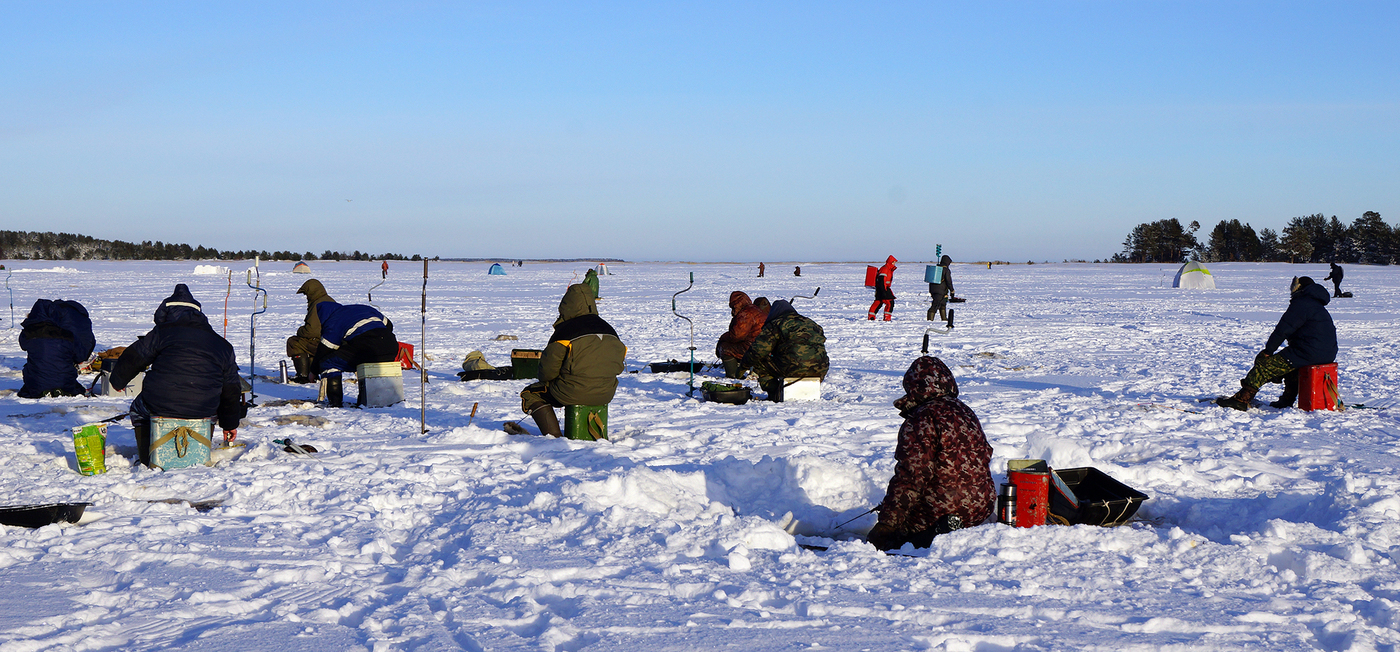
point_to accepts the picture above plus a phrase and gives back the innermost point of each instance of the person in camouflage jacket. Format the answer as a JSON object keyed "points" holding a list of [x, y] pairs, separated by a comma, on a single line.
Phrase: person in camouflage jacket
{"points": [[942, 462], [788, 346]]}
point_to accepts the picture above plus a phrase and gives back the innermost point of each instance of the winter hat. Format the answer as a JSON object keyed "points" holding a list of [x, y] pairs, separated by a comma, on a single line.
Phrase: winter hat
{"points": [[1299, 282]]}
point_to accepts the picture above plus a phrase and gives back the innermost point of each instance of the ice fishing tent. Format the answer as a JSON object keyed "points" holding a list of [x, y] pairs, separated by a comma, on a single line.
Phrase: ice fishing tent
{"points": [[301, 268], [602, 269], [497, 270], [1194, 276]]}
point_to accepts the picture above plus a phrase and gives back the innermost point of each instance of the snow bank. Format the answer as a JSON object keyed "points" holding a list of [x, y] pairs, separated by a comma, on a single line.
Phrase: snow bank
{"points": [[211, 270]]}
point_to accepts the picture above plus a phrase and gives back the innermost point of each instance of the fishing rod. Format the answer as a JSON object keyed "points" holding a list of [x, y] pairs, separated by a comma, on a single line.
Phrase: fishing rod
{"points": [[253, 326], [691, 381], [423, 355], [868, 511], [226, 296]]}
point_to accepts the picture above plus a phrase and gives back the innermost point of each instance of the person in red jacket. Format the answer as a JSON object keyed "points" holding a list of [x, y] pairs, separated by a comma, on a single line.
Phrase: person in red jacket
{"points": [[942, 475], [883, 295], [744, 325]]}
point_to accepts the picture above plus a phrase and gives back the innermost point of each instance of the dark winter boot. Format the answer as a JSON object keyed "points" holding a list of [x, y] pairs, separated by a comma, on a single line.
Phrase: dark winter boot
{"points": [[302, 364], [143, 442], [1290, 392], [731, 368], [335, 391], [1240, 401], [547, 421]]}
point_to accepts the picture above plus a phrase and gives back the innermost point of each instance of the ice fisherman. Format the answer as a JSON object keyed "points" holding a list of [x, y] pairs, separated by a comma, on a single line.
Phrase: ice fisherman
{"points": [[351, 335], [1311, 337], [884, 296], [746, 320], [57, 335], [788, 346], [579, 366], [590, 278], [301, 348], [192, 375], [1335, 276], [760, 270], [941, 290], [942, 475]]}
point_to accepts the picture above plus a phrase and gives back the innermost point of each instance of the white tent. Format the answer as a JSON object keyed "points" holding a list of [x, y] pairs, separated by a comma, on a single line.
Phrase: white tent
{"points": [[1195, 276]]}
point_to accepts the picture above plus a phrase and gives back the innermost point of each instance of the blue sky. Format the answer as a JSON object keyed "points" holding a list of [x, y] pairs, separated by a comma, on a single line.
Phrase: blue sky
{"points": [[705, 131]]}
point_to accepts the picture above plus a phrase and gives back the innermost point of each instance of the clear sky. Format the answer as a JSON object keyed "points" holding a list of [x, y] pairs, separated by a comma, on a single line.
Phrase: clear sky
{"points": [[696, 131]]}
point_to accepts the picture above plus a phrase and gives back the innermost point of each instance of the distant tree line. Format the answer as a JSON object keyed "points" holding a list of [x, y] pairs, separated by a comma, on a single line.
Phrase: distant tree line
{"points": [[33, 245], [1311, 239]]}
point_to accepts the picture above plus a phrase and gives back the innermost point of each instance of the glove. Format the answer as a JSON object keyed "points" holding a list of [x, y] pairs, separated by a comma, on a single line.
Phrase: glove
{"points": [[1263, 355]]}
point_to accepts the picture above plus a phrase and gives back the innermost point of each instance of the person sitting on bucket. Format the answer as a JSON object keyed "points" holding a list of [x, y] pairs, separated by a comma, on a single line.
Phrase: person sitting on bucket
{"points": [[744, 323], [788, 346], [1311, 337], [192, 375], [301, 348], [57, 335], [579, 366], [942, 475], [351, 335]]}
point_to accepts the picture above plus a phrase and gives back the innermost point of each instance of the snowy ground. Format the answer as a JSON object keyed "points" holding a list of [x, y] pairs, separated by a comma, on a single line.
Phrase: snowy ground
{"points": [[1267, 530]]}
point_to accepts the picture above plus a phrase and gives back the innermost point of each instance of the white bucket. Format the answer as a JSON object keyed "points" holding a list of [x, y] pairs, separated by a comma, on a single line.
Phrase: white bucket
{"points": [[104, 385], [802, 389], [381, 383]]}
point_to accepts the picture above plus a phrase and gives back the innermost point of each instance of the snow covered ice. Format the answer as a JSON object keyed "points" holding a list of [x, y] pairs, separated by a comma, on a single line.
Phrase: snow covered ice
{"points": [[1266, 530]]}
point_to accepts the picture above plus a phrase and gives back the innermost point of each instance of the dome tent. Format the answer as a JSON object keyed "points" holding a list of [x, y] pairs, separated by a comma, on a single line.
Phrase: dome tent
{"points": [[1194, 276], [496, 270], [301, 268]]}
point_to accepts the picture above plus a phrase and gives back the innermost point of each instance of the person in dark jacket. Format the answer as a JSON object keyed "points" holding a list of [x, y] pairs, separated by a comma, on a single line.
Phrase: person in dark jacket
{"points": [[884, 296], [745, 322], [579, 366], [1335, 276], [193, 373], [941, 290], [351, 335], [942, 476], [1312, 339], [797, 270], [788, 346], [57, 335], [301, 348], [760, 270]]}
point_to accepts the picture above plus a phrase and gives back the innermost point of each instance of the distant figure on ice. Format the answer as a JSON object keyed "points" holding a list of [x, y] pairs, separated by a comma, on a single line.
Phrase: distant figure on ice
{"points": [[788, 346], [1335, 276], [745, 322], [942, 475], [58, 337], [351, 335], [760, 270], [797, 271], [884, 296], [1311, 337], [384, 270], [192, 375], [579, 366], [301, 348], [941, 291], [590, 278]]}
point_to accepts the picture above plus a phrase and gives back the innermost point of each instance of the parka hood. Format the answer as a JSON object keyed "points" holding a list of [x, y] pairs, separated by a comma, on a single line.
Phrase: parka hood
{"points": [[1310, 290], [314, 291], [945, 261], [739, 300], [577, 302], [927, 379], [780, 307], [891, 261], [180, 308]]}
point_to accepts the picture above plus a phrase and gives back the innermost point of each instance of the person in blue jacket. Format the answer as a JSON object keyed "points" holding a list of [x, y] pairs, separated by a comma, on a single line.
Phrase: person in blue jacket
{"points": [[351, 335], [58, 337], [192, 372], [1312, 339]]}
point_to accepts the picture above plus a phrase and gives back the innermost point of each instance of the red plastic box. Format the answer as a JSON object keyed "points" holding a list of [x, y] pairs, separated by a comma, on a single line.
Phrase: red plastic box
{"points": [[405, 358], [1317, 387]]}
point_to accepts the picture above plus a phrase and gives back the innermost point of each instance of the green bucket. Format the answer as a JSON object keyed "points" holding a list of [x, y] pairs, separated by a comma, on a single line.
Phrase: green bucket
{"points": [[90, 447]]}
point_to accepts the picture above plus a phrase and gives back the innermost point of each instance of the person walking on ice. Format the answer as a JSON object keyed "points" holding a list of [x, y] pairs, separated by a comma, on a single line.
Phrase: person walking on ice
{"points": [[884, 296], [1311, 337]]}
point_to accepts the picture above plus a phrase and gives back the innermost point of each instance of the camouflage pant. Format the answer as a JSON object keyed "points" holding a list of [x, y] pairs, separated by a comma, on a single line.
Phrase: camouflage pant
{"points": [[1266, 369]]}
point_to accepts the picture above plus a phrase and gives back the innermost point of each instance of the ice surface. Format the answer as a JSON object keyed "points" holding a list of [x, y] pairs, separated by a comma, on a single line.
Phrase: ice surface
{"points": [[1267, 530]]}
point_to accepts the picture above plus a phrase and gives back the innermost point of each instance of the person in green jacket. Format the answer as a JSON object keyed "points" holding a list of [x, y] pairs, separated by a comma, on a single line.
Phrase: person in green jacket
{"points": [[579, 366], [301, 348], [788, 346], [590, 278]]}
